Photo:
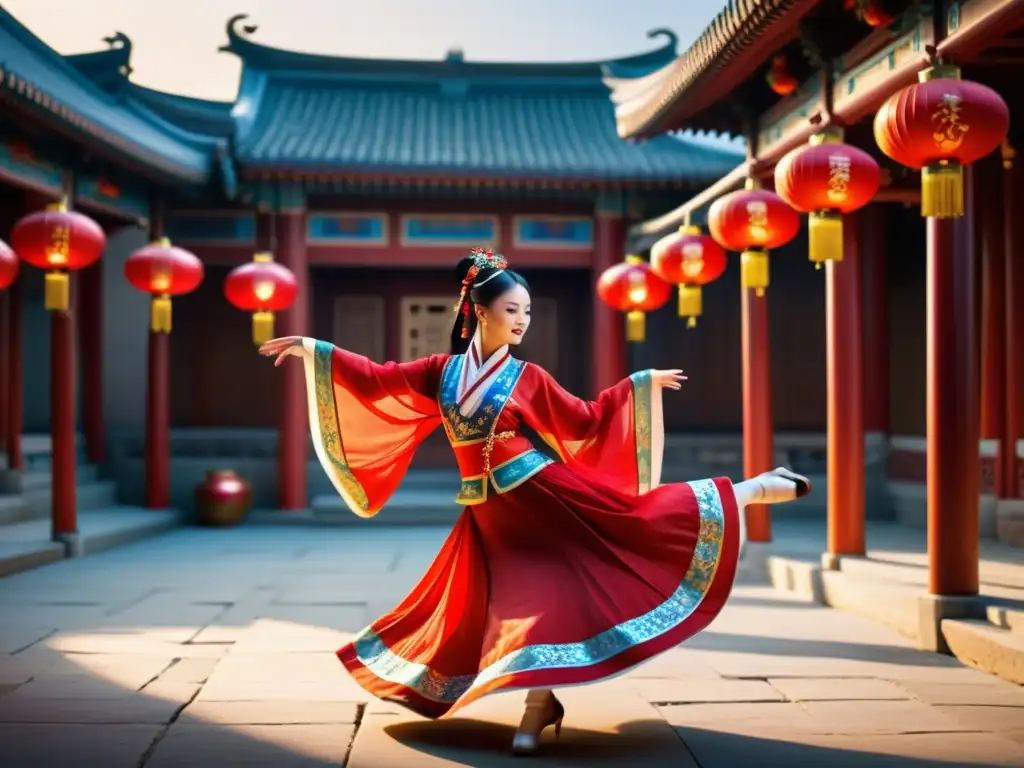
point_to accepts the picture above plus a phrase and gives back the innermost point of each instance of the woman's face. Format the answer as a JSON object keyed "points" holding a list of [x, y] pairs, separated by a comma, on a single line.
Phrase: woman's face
{"points": [[506, 320]]}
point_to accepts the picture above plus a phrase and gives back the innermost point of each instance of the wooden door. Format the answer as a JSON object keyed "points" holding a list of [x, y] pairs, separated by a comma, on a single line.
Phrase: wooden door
{"points": [[426, 326], [359, 325]]}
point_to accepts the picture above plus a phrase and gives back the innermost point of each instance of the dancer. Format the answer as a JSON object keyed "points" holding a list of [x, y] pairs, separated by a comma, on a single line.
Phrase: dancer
{"points": [[557, 573]]}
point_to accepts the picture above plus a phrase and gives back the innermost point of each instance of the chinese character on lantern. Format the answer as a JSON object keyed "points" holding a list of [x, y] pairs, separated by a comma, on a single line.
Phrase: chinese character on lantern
{"points": [[690, 259], [752, 221], [262, 287], [827, 179], [633, 288], [8, 265], [938, 126], [58, 240], [163, 271]]}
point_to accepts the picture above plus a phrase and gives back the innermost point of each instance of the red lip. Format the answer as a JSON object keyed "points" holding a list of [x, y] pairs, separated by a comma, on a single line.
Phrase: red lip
{"points": [[518, 332]]}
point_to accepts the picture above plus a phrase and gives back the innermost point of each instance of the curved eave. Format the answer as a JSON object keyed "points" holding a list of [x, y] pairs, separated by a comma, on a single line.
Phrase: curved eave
{"points": [[200, 116], [269, 58], [19, 91], [738, 41]]}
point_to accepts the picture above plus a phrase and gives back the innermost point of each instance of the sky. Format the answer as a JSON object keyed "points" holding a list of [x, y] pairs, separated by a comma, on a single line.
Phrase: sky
{"points": [[175, 42]]}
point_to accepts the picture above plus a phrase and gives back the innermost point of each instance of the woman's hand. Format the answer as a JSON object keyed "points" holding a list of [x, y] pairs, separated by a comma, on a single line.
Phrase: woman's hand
{"points": [[282, 347], [668, 379]]}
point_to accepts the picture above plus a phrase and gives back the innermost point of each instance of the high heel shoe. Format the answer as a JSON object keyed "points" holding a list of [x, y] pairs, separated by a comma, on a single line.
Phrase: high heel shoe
{"points": [[542, 710]]}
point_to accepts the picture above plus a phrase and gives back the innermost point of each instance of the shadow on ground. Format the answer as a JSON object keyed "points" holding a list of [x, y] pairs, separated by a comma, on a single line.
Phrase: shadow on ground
{"points": [[480, 743], [722, 642]]}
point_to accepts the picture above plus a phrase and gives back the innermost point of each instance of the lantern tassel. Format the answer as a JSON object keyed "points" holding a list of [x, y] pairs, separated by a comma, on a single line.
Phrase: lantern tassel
{"points": [[160, 314], [56, 292], [690, 303], [754, 270], [262, 327], [942, 191], [635, 325], [825, 234]]}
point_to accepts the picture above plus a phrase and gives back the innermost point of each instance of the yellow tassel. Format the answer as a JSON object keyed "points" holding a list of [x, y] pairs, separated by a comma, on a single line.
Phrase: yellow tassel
{"points": [[942, 191], [691, 322], [690, 304], [754, 270], [57, 292], [160, 314], [262, 327], [825, 233], [635, 325]]}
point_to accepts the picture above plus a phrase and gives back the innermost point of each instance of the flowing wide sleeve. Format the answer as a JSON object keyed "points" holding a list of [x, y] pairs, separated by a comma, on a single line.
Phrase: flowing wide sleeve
{"points": [[367, 419], [620, 436]]}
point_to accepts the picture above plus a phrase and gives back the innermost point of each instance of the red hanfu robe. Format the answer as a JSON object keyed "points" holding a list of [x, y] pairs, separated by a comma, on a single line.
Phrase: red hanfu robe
{"points": [[558, 572]]}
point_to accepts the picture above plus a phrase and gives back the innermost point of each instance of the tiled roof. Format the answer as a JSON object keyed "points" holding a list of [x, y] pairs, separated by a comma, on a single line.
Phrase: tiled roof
{"points": [[330, 116], [686, 85], [36, 77]]}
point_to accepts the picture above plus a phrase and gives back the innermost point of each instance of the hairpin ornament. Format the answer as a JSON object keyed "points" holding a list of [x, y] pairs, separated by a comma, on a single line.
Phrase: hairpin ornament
{"points": [[482, 259]]}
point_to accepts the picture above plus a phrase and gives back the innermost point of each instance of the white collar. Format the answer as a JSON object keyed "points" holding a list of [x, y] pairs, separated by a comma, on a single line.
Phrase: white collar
{"points": [[477, 372]]}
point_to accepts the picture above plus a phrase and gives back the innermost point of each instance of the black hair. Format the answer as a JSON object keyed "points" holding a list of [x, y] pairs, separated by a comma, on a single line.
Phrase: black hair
{"points": [[489, 286]]}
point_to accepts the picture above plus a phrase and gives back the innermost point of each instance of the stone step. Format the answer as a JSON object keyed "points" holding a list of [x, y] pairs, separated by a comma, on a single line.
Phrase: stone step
{"points": [[37, 481], [13, 508], [407, 507], [91, 495], [979, 644], [26, 545]]}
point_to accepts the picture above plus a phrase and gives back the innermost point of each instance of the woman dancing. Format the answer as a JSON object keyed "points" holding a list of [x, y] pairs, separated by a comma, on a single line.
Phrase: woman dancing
{"points": [[557, 573]]}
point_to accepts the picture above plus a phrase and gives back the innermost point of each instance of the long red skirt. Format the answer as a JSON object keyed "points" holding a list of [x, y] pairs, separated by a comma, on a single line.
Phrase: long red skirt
{"points": [[559, 582]]}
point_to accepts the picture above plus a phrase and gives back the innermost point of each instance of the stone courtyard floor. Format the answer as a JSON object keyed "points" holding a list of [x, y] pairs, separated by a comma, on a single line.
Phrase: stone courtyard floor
{"points": [[215, 648]]}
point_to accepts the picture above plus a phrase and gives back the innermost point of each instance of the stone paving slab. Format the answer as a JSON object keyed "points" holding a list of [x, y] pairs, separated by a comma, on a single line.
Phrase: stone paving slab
{"points": [[217, 647], [249, 746]]}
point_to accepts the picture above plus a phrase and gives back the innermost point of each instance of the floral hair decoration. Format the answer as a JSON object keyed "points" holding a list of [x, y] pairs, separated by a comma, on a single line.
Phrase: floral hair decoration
{"points": [[482, 259]]}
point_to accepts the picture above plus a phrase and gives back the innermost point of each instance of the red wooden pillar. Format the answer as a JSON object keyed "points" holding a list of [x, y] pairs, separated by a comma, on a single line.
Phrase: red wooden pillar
{"points": [[608, 332], [90, 344], [845, 396], [758, 443], [875, 344], [62, 422], [293, 431], [952, 403], [12, 373], [989, 218], [158, 403], [1013, 424]]}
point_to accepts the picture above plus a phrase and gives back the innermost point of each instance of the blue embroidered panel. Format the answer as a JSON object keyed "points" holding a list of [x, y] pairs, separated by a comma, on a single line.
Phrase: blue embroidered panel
{"points": [[556, 232], [19, 160], [450, 230], [478, 426], [355, 228], [516, 471], [212, 228]]}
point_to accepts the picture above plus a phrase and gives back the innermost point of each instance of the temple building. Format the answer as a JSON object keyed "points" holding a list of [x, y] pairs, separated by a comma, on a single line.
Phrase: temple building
{"points": [[367, 178]]}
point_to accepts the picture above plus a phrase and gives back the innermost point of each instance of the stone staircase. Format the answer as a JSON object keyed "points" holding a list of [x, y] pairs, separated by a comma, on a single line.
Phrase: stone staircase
{"points": [[25, 511], [994, 644]]}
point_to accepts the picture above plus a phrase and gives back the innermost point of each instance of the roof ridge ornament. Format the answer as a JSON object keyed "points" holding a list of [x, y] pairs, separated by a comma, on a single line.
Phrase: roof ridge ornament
{"points": [[236, 33], [672, 39]]}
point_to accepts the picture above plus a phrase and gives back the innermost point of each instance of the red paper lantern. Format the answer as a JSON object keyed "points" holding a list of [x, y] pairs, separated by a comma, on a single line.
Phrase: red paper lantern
{"points": [[262, 287], [779, 78], [752, 221], [633, 288], [827, 179], [59, 240], [690, 259], [8, 265], [940, 125], [162, 270]]}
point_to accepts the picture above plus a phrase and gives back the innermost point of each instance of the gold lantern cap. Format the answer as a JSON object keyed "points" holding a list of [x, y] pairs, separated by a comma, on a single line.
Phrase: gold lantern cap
{"points": [[631, 259], [940, 71], [832, 134], [263, 257]]}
